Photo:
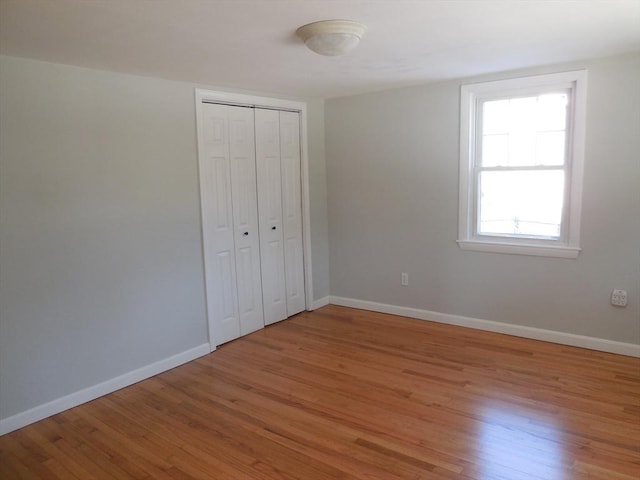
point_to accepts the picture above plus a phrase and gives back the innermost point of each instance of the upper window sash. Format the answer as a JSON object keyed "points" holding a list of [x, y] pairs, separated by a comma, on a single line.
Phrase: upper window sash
{"points": [[480, 133]]}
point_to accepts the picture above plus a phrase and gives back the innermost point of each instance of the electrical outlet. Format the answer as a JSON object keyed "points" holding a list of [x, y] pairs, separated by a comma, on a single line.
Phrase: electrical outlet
{"points": [[619, 298], [404, 279]]}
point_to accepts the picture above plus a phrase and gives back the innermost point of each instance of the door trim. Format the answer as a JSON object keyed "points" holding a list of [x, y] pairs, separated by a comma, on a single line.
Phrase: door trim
{"points": [[229, 98]]}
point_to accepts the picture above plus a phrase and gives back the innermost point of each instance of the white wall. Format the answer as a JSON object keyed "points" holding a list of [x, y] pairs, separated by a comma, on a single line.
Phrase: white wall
{"points": [[100, 237], [392, 167]]}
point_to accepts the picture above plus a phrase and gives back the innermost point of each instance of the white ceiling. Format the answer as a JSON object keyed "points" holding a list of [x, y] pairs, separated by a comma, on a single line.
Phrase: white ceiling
{"points": [[251, 44]]}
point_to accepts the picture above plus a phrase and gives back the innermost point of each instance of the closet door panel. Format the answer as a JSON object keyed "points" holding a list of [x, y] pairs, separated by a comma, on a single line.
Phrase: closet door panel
{"points": [[218, 224], [269, 176], [245, 218], [292, 211]]}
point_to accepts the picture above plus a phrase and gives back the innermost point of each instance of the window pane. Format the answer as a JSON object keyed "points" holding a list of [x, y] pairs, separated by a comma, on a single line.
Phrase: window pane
{"points": [[495, 150], [524, 131], [525, 203], [523, 112], [522, 148], [552, 111], [550, 149], [495, 117]]}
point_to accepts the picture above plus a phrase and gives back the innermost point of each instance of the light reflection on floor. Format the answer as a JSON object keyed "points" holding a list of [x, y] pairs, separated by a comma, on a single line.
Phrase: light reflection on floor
{"points": [[514, 444]]}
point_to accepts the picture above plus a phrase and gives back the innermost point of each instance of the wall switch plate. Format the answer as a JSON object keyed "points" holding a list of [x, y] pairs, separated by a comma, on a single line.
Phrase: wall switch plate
{"points": [[619, 298], [404, 279]]}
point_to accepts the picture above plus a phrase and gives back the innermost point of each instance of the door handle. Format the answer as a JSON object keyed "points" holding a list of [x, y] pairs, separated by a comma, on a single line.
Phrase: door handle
{"points": [[246, 233], [273, 228]]}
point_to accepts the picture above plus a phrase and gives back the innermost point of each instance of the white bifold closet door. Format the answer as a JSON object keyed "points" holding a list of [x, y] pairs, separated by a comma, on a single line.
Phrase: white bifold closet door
{"points": [[230, 221], [252, 217], [280, 213]]}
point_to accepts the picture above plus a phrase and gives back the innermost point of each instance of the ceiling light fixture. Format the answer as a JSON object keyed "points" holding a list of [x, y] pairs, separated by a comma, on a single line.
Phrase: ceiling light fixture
{"points": [[331, 37]]}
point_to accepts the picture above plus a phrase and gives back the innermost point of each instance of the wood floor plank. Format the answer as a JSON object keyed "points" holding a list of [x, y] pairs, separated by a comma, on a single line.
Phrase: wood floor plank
{"points": [[341, 393]]}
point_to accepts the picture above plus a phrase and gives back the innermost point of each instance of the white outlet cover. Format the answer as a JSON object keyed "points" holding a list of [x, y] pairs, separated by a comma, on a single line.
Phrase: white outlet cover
{"points": [[619, 298]]}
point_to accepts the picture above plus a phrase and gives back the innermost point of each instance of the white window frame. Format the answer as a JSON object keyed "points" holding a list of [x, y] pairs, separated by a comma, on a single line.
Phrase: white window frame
{"points": [[568, 245]]}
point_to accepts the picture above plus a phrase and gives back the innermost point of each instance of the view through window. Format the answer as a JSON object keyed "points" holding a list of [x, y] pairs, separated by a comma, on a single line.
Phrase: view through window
{"points": [[522, 163]]}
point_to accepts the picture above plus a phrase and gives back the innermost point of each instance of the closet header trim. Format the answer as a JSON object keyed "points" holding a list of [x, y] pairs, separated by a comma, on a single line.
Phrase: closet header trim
{"points": [[247, 105]]}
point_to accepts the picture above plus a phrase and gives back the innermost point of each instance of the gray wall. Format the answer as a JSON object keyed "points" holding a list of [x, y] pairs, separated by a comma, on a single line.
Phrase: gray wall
{"points": [[101, 267], [318, 199], [392, 168]]}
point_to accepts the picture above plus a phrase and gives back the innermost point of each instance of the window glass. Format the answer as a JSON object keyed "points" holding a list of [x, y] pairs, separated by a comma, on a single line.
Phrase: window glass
{"points": [[521, 203], [524, 131]]}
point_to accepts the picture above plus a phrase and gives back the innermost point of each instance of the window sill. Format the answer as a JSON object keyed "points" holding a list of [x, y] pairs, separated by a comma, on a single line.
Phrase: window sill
{"points": [[520, 249]]}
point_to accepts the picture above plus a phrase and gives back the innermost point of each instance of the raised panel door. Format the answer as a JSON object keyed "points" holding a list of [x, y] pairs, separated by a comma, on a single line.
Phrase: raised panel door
{"points": [[292, 211], [269, 176], [218, 224], [245, 218]]}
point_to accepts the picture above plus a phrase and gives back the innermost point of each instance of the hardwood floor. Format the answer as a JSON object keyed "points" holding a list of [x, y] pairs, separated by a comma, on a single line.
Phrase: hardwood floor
{"points": [[347, 394]]}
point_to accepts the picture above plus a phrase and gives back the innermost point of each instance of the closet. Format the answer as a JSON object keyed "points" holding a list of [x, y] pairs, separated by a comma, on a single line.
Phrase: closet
{"points": [[252, 217]]}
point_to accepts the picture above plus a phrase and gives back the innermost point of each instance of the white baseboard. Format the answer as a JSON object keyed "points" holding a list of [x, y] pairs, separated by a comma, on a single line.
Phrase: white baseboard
{"points": [[563, 338], [90, 393], [321, 302]]}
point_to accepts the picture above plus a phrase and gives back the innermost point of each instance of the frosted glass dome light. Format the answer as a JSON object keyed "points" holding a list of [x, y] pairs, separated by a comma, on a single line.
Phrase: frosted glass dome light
{"points": [[331, 37]]}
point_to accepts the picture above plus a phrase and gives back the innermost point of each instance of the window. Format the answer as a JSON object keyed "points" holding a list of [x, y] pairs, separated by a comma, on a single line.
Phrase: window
{"points": [[521, 157]]}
